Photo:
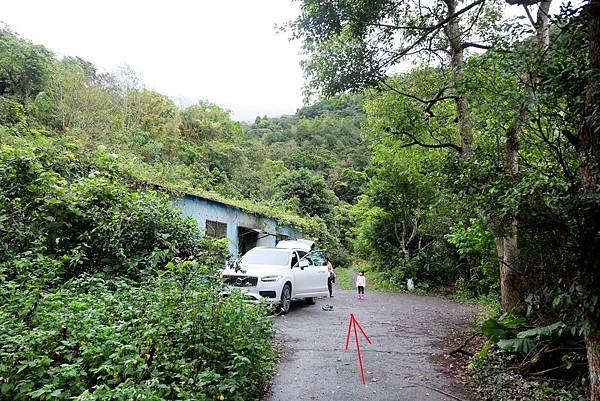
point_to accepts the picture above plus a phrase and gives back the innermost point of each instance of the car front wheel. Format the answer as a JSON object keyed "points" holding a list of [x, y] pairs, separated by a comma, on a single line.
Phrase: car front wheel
{"points": [[286, 299]]}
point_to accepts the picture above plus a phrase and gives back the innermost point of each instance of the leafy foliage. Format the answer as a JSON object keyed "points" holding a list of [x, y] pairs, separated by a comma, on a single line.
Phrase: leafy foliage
{"points": [[92, 224], [309, 191], [376, 175], [24, 67], [109, 293], [172, 337], [525, 194]]}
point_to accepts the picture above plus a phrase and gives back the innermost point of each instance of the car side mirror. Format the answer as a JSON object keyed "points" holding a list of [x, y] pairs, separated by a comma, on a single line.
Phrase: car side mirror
{"points": [[303, 263]]}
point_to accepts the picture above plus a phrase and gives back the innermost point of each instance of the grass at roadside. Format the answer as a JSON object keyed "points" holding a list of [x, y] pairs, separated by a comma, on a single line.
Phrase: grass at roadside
{"points": [[386, 282], [344, 278], [490, 303], [376, 281]]}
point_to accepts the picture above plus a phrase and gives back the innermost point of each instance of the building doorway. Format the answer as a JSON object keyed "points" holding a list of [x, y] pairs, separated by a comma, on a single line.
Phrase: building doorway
{"points": [[247, 239]]}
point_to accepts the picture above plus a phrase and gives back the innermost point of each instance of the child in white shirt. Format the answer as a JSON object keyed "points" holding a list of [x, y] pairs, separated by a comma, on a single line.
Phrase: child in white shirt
{"points": [[361, 282]]}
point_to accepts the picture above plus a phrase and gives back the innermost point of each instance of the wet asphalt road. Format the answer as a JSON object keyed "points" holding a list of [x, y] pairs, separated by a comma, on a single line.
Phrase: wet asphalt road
{"points": [[405, 331]]}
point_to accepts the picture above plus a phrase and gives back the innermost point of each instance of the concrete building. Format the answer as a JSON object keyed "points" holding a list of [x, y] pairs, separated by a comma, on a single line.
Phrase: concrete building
{"points": [[244, 229]]}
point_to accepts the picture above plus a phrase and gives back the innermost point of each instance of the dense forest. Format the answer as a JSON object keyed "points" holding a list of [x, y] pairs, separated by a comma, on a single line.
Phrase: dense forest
{"points": [[475, 172], [485, 153]]}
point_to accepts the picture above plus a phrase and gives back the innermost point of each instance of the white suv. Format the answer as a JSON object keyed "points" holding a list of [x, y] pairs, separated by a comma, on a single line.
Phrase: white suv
{"points": [[278, 275]]}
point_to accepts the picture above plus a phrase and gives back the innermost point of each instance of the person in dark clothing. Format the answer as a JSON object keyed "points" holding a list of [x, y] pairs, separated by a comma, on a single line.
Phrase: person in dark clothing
{"points": [[331, 278]]}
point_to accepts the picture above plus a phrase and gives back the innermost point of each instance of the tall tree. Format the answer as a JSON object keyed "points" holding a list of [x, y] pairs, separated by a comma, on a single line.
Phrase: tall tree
{"points": [[207, 121], [511, 277], [79, 98], [578, 86], [24, 67], [309, 191], [588, 146], [350, 45]]}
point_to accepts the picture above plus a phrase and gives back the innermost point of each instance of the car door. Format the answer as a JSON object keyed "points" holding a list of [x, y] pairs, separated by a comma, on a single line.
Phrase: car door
{"points": [[308, 274], [319, 272], [301, 278]]}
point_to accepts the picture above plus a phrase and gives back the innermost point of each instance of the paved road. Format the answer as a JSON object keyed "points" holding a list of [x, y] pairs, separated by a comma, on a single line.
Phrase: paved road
{"points": [[404, 329]]}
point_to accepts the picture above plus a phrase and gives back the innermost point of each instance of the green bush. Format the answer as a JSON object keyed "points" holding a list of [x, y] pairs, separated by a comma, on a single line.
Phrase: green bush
{"points": [[475, 247], [108, 293], [174, 337], [496, 380], [92, 224]]}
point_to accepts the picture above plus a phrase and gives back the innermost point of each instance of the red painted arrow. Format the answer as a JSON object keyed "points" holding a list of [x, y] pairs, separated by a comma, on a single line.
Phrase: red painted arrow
{"points": [[353, 324]]}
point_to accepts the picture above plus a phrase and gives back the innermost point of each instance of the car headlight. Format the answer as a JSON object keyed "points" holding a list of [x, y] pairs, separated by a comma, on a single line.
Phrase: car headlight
{"points": [[270, 278]]}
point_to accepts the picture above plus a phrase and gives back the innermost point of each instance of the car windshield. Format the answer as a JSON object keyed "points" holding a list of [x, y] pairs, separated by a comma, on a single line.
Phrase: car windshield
{"points": [[266, 257]]}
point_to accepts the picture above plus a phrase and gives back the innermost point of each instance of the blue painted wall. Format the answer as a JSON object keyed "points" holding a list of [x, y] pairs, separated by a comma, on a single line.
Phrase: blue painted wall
{"points": [[204, 209]]}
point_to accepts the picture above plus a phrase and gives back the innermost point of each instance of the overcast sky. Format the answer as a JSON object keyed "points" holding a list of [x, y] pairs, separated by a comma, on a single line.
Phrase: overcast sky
{"points": [[225, 51]]}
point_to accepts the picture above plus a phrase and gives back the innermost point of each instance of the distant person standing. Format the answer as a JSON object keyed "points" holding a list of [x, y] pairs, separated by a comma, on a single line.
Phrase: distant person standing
{"points": [[361, 283], [331, 278]]}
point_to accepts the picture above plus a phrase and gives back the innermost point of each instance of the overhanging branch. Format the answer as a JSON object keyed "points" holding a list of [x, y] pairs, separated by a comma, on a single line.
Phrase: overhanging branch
{"points": [[466, 45], [522, 2], [434, 28], [429, 102], [417, 142]]}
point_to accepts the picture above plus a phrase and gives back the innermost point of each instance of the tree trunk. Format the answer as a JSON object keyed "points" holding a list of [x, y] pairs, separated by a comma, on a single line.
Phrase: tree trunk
{"points": [[510, 279], [406, 253], [511, 283], [589, 135], [465, 129], [589, 154], [508, 252], [592, 344], [543, 26]]}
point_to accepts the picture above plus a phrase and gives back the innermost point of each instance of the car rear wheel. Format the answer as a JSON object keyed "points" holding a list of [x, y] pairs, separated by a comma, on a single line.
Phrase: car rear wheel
{"points": [[286, 299]]}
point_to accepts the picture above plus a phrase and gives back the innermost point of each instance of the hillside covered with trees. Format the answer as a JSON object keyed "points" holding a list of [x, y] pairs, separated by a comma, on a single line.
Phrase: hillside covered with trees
{"points": [[106, 292]]}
